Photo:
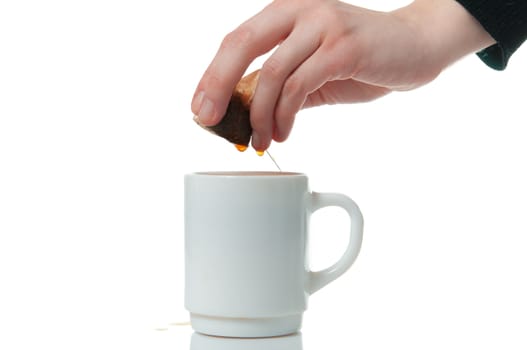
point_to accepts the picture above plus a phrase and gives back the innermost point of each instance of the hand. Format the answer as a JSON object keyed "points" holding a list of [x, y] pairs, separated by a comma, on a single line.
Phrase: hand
{"points": [[330, 52]]}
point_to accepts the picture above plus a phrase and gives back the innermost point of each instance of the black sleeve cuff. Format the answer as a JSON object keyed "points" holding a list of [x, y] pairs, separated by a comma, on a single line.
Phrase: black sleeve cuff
{"points": [[505, 21]]}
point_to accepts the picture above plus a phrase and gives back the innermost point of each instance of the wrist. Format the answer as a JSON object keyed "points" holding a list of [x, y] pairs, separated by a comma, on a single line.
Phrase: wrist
{"points": [[449, 32]]}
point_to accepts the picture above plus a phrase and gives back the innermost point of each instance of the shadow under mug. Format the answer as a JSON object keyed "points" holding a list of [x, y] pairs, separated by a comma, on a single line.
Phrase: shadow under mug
{"points": [[246, 237]]}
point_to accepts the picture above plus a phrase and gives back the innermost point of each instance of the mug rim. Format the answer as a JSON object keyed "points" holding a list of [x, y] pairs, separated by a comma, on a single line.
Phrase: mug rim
{"points": [[247, 173]]}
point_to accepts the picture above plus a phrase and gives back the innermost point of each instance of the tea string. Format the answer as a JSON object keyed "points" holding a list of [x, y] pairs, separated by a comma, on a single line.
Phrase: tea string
{"points": [[274, 161]]}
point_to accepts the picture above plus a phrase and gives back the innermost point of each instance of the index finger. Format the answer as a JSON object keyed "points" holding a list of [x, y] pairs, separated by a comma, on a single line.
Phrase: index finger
{"points": [[238, 49]]}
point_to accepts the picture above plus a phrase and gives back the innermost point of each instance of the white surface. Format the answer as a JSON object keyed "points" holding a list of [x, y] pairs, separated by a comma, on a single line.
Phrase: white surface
{"points": [[95, 136]]}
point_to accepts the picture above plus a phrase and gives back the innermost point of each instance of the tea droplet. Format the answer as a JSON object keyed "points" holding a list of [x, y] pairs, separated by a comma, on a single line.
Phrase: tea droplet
{"points": [[260, 153], [240, 148]]}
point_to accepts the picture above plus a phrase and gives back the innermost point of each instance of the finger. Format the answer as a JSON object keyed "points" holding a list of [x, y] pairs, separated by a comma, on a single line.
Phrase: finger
{"points": [[239, 48], [307, 78], [298, 46]]}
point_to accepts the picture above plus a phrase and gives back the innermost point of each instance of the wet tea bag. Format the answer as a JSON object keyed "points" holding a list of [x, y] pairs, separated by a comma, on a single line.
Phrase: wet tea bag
{"points": [[235, 126]]}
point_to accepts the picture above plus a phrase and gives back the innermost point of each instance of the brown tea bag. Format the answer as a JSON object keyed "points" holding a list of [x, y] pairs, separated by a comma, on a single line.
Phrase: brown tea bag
{"points": [[235, 126]]}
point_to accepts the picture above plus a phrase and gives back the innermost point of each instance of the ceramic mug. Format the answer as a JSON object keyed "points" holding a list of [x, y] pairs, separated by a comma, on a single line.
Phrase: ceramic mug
{"points": [[246, 235]]}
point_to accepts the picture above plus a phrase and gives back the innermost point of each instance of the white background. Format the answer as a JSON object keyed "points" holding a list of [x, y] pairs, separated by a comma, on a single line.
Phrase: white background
{"points": [[96, 134]]}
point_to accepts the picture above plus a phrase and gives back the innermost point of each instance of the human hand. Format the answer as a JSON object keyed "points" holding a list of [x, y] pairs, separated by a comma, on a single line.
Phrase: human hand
{"points": [[330, 52]]}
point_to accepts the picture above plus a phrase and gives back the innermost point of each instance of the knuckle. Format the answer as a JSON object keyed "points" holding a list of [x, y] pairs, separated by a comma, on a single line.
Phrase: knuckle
{"points": [[293, 88], [324, 12], [273, 69], [334, 14], [238, 38], [284, 4], [212, 79]]}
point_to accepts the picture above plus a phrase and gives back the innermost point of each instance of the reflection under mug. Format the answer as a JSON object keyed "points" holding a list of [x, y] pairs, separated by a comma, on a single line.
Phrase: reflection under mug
{"points": [[246, 234]]}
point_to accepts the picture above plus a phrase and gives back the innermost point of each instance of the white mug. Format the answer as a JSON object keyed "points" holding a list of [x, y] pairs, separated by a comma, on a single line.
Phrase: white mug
{"points": [[246, 236]]}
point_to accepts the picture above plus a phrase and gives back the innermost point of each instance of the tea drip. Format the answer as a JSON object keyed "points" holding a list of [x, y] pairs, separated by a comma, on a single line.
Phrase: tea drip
{"points": [[243, 148]]}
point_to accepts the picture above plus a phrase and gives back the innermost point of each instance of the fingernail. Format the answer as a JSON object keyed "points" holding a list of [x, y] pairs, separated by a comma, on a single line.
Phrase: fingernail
{"points": [[199, 98], [196, 102], [206, 112]]}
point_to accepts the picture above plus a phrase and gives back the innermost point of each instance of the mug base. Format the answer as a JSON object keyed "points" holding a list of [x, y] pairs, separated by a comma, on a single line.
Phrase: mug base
{"points": [[246, 327]]}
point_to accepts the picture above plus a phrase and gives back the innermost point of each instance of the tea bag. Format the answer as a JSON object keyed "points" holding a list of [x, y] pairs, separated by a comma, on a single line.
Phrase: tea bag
{"points": [[235, 126]]}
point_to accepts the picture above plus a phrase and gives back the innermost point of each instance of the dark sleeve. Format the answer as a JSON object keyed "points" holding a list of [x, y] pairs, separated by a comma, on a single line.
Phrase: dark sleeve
{"points": [[505, 21]]}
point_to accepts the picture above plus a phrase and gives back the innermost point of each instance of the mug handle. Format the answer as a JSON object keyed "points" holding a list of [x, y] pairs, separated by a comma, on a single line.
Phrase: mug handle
{"points": [[317, 280]]}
